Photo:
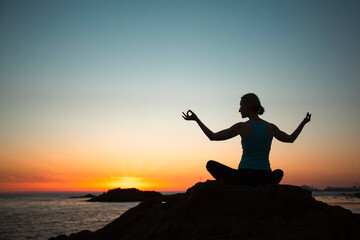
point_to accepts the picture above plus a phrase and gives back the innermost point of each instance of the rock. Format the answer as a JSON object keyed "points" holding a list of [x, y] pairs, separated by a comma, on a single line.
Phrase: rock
{"points": [[83, 235], [61, 237], [84, 196], [125, 195], [357, 195], [212, 210]]}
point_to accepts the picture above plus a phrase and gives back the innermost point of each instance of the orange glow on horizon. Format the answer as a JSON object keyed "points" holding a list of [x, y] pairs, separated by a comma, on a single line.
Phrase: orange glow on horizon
{"points": [[173, 170], [98, 184]]}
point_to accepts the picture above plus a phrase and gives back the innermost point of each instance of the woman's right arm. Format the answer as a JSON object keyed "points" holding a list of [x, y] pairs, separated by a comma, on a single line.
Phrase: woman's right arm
{"points": [[284, 137], [218, 136]]}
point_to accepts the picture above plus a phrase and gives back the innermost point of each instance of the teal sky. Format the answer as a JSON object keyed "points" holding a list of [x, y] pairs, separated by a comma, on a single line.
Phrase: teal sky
{"points": [[115, 74]]}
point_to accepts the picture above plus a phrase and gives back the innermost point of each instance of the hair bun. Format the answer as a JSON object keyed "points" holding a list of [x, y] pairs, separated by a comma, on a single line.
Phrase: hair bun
{"points": [[261, 110]]}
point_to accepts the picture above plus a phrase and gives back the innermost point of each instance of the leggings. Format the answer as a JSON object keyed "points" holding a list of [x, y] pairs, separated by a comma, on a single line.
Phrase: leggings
{"points": [[243, 176]]}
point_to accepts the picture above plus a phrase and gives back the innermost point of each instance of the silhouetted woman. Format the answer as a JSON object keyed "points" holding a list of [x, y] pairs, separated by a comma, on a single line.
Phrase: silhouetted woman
{"points": [[256, 137]]}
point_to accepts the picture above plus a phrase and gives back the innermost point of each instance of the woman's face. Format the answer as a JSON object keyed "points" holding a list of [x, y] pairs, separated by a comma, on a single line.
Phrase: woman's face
{"points": [[244, 109]]}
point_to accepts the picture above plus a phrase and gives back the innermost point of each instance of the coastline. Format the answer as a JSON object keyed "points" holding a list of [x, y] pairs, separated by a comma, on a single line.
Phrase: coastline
{"points": [[46, 206], [223, 212]]}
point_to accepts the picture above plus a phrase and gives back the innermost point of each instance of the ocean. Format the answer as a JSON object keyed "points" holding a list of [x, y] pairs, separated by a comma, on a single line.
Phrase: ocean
{"points": [[343, 199], [43, 215]]}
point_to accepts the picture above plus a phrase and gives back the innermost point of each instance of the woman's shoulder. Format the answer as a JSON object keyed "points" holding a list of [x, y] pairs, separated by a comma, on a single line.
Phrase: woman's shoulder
{"points": [[242, 124], [244, 128], [270, 125]]}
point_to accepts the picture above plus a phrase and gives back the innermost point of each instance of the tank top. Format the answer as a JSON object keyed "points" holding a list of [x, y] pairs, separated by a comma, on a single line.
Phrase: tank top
{"points": [[256, 148]]}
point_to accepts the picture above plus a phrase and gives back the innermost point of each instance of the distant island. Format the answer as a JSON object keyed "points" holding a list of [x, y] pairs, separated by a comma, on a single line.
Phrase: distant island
{"points": [[125, 195], [84, 196]]}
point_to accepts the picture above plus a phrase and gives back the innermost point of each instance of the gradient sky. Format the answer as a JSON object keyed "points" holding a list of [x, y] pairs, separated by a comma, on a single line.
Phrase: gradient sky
{"points": [[91, 92]]}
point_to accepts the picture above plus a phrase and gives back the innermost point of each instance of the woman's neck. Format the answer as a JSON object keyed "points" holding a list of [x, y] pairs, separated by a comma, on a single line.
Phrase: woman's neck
{"points": [[254, 117]]}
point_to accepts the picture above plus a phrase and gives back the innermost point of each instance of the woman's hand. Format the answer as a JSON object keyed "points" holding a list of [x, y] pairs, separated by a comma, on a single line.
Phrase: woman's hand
{"points": [[307, 118], [190, 115]]}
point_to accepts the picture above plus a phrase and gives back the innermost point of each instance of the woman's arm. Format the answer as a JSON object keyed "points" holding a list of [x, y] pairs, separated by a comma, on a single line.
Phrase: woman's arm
{"points": [[219, 136], [284, 137]]}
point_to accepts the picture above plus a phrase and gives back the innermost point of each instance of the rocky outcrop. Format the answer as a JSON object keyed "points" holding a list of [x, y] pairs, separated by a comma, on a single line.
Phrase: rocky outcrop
{"points": [[212, 210], [84, 196], [357, 195], [125, 195]]}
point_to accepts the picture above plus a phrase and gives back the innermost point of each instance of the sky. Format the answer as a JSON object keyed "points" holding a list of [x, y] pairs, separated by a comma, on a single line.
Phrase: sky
{"points": [[92, 92]]}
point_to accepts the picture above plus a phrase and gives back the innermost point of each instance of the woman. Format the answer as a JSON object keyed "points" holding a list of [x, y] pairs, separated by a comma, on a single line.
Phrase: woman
{"points": [[256, 137]]}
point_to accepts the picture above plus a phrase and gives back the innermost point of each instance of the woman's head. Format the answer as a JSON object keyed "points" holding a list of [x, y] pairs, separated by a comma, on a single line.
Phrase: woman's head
{"points": [[250, 103]]}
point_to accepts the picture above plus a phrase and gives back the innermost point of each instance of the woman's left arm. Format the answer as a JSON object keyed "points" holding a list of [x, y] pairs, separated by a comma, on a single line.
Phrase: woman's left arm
{"points": [[284, 137]]}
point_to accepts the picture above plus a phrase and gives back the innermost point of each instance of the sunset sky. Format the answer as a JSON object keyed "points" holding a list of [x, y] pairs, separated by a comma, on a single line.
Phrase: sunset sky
{"points": [[91, 92]]}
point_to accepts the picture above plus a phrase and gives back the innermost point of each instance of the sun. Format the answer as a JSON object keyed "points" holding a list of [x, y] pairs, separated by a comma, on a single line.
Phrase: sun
{"points": [[127, 182]]}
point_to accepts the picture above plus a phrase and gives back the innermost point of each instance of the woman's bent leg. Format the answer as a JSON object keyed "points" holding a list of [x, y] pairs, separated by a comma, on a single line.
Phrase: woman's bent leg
{"points": [[243, 176], [221, 172]]}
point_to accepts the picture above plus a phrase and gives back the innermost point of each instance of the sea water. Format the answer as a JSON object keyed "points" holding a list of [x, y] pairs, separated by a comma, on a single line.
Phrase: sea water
{"points": [[343, 199], [44, 215]]}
